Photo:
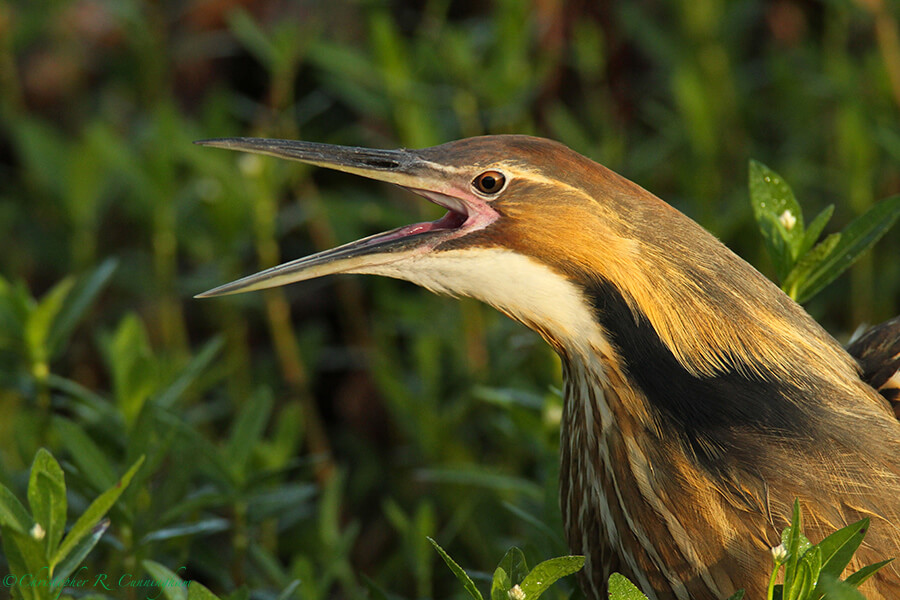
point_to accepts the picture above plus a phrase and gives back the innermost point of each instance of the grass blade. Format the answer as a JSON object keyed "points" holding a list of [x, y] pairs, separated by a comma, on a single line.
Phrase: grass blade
{"points": [[78, 301], [815, 229], [12, 513], [859, 577], [67, 566], [860, 235], [461, 575], [96, 511]]}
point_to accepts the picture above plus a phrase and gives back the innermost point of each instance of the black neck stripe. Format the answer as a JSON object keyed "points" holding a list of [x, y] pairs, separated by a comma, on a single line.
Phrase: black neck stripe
{"points": [[708, 412]]}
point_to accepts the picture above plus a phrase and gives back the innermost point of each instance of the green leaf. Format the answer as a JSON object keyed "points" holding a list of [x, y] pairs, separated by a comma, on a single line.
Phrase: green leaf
{"points": [[12, 513], [860, 235], [859, 577], [513, 563], [198, 592], [172, 586], [265, 503], [68, 564], [206, 452], [198, 365], [799, 584], [96, 511], [838, 590], [807, 264], [37, 328], [133, 367], [201, 528], [87, 456], [533, 522], [461, 575], [93, 407], [77, 303], [254, 39], [288, 591], [839, 547], [775, 236], [47, 498], [480, 477], [815, 229], [500, 585], [738, 595], [808, 574], [248, 428], [778, 215], [376, 592], [25, 556], [622, 589], [548, 572], [791, 538]]}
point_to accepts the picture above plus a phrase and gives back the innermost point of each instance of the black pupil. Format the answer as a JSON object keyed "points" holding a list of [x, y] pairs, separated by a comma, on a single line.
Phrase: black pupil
{"points": [[489, 183]]}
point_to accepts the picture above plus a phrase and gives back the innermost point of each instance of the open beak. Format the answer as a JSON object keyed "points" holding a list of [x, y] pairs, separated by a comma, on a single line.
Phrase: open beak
{"points": [[443, 185]]}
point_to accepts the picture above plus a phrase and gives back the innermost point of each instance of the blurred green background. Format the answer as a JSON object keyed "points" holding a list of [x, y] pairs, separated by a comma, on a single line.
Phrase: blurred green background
{"points": [[319, 432]]}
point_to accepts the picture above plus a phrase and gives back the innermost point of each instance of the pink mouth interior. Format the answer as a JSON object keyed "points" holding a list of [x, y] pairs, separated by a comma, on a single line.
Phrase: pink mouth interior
{"points": [[451, 220]]}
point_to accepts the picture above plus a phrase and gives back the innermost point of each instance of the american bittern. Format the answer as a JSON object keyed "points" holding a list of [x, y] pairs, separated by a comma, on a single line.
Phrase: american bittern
{"points": [[700, 401]]}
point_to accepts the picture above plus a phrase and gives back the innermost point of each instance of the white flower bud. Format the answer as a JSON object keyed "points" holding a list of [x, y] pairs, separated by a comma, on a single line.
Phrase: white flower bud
{"points": [[788, 220], [516, 593], [779, 553]]}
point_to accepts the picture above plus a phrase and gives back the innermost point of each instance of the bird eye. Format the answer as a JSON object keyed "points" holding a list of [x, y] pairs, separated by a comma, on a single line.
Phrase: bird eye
{"points": [[489, 182]]}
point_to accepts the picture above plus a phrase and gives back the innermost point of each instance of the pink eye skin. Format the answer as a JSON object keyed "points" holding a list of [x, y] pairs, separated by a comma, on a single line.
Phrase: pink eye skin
{"points": [[489, 182]]}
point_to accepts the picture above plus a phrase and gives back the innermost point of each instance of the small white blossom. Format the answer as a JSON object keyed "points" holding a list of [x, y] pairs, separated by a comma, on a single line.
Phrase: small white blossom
{"points": [[37, 532], [516, 593], [779, 553], [788, 219]]}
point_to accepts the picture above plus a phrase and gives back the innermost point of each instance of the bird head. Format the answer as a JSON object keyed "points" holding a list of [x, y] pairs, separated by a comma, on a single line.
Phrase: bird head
{"points": [[518, 220], [563, 245]]}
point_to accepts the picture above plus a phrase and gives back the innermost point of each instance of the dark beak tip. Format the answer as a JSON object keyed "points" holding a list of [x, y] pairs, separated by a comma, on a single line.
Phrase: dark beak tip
{"points": [[211, 142], [212, 293]]}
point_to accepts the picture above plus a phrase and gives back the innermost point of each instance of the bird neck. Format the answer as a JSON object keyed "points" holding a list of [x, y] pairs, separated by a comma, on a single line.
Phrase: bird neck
{"points": [[711, 414]]}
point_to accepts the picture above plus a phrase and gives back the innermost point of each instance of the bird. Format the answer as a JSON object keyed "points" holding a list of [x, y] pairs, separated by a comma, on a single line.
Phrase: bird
{"points": [[699, 400]]}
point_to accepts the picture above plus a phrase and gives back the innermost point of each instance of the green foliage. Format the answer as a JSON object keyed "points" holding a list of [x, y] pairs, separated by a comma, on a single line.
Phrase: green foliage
{"points": [[321, 432], [803, 266], [512, 580], [622, 589], [39, 557], [810, 572], [35, 331]]}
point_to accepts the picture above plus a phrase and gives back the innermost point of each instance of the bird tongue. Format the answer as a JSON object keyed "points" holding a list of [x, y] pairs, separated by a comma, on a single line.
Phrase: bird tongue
{"points": [[451, 220]]}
